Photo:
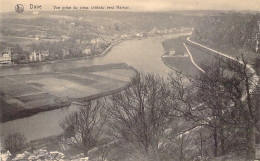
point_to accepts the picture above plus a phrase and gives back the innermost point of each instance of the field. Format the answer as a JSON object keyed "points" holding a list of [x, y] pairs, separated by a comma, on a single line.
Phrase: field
{"points": [[23, 95], [184, 64], [179, 62], [175, 44]]}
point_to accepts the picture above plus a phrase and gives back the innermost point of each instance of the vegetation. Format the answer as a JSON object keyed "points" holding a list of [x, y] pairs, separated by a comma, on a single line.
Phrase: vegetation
{"points": [[229, 30], [220, 99], [183, 118], [83, 128], [14, 142], [141, 114], [209, 115]]}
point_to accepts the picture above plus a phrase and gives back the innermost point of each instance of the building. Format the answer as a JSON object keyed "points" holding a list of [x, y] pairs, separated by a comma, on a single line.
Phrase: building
{"points": [[87, 51], [172, 52], [176, 53], [34, 56], [139, 34], [5, 58], [38, 55], [37, 37]]}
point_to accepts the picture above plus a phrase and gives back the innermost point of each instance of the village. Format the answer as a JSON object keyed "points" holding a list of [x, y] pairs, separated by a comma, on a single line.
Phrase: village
{"points": [[40, 46]]}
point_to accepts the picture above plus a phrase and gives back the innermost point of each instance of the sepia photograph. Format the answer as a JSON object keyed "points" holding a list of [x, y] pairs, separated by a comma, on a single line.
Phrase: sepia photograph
{"points": [[129, 80]]}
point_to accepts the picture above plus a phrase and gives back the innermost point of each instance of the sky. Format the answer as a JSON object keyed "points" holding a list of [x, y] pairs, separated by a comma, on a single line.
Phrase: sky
{"points": [[139, 5]]}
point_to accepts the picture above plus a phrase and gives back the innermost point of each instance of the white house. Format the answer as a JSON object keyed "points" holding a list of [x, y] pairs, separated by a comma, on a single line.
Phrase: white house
{"points": [[87, 51], [172, 52], [38, 56], [5, 58]]}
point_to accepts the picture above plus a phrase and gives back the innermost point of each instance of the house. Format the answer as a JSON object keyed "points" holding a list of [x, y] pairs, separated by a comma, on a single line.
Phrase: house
{"points": [[176, 52], [139, 34], [172, 52], [96, 41], [93, 41], [5, 58], [38, 55], [37, 37], [34, 56], [87, 51], [124, 36]]}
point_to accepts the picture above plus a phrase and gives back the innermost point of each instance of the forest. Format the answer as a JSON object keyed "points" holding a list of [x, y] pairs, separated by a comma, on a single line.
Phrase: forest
{"points": [[229, 30]]}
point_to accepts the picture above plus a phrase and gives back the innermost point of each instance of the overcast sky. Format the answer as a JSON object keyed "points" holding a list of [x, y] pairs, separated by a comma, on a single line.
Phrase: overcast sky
{"points": [[140, 5]]}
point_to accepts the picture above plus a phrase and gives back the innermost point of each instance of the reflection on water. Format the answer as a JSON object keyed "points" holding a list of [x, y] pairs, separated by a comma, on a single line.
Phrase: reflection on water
{"points": [[144, 55]]}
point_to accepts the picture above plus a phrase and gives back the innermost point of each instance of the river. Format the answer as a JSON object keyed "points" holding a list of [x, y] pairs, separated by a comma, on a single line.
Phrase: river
{"points": [[144, 55]]}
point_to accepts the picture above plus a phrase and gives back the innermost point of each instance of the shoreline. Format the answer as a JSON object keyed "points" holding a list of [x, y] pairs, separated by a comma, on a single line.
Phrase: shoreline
{"points": [[64, 60], [107, 50]]}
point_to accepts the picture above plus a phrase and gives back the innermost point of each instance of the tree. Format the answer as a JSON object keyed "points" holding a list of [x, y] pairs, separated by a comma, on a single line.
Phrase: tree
{"points": [[222, 99], [14, 142], [140, 114], [83, 128], [248, 83]]}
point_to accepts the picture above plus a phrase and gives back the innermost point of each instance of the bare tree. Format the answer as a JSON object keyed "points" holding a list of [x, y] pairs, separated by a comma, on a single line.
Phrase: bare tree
{"points": [[83, 128], [141, 114], [248, 84], [14, 142], [222, 99]]}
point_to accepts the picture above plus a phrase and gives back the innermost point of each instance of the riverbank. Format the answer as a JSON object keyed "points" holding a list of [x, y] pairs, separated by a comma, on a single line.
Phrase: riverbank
{"points": [[107, 50], [64, 60]]}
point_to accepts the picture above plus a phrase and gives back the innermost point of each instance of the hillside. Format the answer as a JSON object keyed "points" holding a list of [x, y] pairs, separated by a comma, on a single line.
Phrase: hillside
{"points": [[230, 31]]}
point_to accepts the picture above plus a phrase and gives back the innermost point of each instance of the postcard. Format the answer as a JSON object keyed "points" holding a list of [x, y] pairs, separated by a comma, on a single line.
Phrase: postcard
{"points": [[130, 80]]}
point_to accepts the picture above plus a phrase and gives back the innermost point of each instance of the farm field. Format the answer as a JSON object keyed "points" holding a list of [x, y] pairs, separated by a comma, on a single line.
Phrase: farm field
{"points": [[23, 95]]}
